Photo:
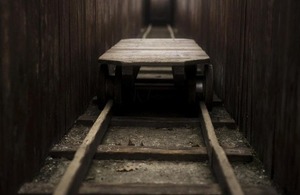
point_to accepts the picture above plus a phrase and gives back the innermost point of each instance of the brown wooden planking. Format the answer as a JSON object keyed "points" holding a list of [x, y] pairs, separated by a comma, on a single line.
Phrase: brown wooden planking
{"points": [[107, 152], [154, 122], [259, 190], [254, 48], [153, 153], [93, 188], [78, 167], [171, 48], [151, 189], [167, 122], [160, 56], [219, 162], [168, 60], [287, 125], [48, 60], [156, 52], [158, 40], [229, 123]]}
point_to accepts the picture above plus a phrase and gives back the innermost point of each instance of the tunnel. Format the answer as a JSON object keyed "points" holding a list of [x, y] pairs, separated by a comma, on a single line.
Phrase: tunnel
{"points": [[49, 53]]}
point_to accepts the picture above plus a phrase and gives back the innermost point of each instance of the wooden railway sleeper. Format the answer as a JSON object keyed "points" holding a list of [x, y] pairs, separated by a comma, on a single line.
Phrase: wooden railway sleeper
{"points": [[72, 182], [76, 171]]}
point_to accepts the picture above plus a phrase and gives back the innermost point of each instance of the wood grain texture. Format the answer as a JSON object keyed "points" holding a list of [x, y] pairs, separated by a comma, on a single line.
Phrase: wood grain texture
{"points": [[155, 52], [145, 153], [217, 157], [49, 51], [254, 48], [88, 188]]}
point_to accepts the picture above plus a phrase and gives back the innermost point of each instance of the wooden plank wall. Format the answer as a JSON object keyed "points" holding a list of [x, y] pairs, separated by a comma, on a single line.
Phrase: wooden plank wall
{"points": [[49, 51], [255, 46]]}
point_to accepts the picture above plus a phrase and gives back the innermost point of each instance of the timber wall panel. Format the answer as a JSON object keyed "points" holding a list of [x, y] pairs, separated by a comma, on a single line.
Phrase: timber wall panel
{"points": [[48, 73], [254, 46]]}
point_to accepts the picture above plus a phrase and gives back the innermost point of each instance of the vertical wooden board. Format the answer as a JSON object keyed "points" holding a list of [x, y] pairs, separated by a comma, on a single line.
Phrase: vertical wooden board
{"points": [[14, 137], [2, 61], [261, 99], [233, 34], [267, 90], [31, 97], [55, 99], [113, 23], [44, 75], [49, 69], [106, 24], [72, 70], [45, 46], [99, 27], [64, 61], [239, 114], [85, 63], [124, 17], [91, 52], [20, 74], [79, 82], [99, 36], [287, 134], [247, 72], [5, 88]]}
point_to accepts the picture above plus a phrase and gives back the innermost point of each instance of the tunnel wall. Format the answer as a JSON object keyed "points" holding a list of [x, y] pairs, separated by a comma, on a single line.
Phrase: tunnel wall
{"points": [[254, 47], [49, 51]]}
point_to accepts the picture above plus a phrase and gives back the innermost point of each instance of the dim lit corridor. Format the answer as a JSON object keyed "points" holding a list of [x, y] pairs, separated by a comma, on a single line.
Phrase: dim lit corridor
{"points": [[149, 97]]}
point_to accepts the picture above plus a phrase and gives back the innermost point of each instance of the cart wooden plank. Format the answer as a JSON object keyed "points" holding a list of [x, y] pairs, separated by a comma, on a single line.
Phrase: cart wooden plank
{"points": [[143, 52]]}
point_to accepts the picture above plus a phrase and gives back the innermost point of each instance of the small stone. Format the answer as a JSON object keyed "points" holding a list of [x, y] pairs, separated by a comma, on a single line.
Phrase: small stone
{"points": [[130, 143], [90, 178]]}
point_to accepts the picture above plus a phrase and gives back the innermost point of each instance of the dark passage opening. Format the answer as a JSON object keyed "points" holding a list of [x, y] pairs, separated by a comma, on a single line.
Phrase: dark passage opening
{"points": [[159, 12]]}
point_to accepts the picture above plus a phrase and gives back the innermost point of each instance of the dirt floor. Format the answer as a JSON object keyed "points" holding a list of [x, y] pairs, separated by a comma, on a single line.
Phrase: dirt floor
{"points": [[123, 171], [251, 173], [154, 137], [52, 170]]}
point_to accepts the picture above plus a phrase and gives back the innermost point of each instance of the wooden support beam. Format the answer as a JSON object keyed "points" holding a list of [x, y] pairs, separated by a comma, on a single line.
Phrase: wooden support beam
{"points": [[158, 122], [126, 189], [229, 123], [76, 171], [167, 122], [145, 153], [217, 157]]}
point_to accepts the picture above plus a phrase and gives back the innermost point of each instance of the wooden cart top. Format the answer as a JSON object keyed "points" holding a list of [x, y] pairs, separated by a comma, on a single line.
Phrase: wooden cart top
{"points": [[142, 52]]}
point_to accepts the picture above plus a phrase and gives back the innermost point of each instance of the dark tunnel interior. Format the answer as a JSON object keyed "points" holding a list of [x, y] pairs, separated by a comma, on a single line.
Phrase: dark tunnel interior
{"points": [[49, 52]]}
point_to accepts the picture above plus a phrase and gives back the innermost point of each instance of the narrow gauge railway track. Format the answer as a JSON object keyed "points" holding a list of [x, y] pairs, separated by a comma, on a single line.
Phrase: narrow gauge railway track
{"points": [[74, 179], [182, 164]]}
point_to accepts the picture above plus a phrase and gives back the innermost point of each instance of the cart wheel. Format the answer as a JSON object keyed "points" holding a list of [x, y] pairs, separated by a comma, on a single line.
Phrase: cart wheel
{"points": [[208, 86]]}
